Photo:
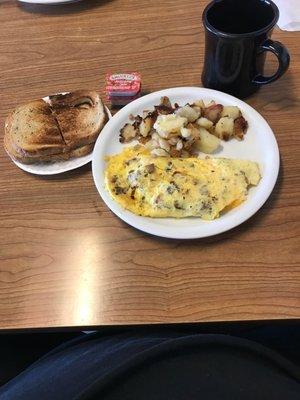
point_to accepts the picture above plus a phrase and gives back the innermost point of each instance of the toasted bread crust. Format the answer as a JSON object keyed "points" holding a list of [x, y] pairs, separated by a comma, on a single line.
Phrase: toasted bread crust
{"points": [[73, 98]]}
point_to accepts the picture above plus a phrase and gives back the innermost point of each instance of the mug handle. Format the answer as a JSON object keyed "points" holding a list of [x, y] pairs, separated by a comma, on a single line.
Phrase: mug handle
{"points": [[283, 57]]}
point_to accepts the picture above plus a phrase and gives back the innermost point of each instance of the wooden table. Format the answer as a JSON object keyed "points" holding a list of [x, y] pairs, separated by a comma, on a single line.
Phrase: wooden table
{"points": [[65, 259]]}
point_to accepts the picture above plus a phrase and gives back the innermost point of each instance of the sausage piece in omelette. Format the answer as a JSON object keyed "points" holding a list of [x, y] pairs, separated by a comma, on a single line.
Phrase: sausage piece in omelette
{"points": [[177, 187]]}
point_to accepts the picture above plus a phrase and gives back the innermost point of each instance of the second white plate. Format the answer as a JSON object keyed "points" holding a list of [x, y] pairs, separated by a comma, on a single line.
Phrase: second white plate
{"points": [[259, 145]]}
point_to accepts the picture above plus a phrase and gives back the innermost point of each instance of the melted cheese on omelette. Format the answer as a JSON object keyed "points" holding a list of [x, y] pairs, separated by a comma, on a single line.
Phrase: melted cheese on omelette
{"points": [[178, 187]]}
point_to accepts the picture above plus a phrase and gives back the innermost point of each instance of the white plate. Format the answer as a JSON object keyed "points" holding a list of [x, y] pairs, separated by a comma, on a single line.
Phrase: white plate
{"points": [[58, 167], [259, 145], [46, 2]]}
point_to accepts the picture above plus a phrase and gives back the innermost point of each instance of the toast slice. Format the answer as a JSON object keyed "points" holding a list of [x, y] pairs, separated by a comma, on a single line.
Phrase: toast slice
{"points": [[81, 116], [31, 130]]}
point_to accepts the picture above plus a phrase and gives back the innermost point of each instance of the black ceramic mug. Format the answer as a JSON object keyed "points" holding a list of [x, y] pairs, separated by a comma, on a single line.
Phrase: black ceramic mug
{"points": [[237, 36]]}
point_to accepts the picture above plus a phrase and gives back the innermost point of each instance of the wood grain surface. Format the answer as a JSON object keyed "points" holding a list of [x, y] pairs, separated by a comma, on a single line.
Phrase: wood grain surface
{"points": [[65, 259]]}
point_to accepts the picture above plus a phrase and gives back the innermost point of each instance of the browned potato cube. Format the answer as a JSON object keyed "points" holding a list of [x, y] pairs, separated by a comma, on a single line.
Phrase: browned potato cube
{"points": [[224, 128], [231, 112], [127, 133], [213, 112], [205, 123], [165, 101], [240, 127], [146, 126]]}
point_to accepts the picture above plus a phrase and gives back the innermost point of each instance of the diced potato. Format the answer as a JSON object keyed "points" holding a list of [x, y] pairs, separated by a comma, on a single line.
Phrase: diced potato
{"points": [[224, 128], [191, 114], [197, 109], [165, 101], [208, 143], [240, 127], [127, 133], [213, 112], [137, 120], [204, 123], [162, 109], [146, 126], [231, 112]]}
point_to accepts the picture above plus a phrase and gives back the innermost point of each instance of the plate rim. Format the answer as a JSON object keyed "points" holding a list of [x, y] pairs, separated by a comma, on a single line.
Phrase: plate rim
{"points": [[234, 222], [48, 2]]}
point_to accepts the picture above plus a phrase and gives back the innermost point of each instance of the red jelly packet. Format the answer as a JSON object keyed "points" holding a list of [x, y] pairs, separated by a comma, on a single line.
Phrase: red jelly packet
{"points": [[127, 85]]}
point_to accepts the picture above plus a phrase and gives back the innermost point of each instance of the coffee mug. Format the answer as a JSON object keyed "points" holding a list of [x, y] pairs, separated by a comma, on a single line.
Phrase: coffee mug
{"points": [[237, 36]]}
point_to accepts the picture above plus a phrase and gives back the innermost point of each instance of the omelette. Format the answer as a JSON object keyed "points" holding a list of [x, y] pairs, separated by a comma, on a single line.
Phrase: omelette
{"points": [[177, 187]]}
